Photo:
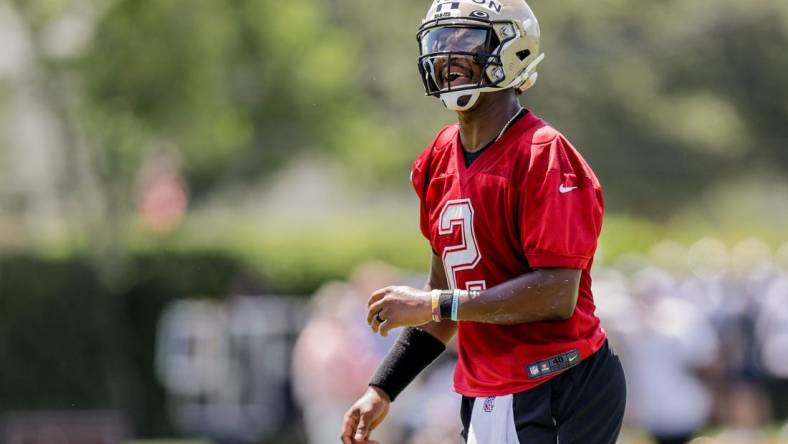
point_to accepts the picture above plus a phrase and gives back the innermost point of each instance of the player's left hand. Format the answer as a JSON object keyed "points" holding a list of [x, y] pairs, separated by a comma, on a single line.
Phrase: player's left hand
{"points": [[398, 307]]}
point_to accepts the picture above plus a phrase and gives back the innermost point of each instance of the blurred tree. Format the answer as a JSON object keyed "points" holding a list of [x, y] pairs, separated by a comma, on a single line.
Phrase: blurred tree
{"points": [[239, 86], [664, 98], [667, 98]]}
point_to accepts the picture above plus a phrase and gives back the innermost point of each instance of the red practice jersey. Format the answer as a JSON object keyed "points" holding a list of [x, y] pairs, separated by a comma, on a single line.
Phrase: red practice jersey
{"points": [[528, 201]]}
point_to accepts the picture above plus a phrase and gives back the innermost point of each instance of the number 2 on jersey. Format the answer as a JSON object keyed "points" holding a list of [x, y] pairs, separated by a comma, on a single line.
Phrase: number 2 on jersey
{"points": [[458, 214]]}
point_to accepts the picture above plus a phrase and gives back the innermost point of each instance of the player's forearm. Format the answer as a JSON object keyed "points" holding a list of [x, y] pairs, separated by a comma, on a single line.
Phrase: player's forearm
{"points": [[437, 276], [541, 295], [414, 350], [443, 331]]}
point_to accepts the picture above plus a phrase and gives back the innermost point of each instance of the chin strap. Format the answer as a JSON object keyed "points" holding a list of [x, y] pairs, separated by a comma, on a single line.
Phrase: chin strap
{"points": [[460, 100]]}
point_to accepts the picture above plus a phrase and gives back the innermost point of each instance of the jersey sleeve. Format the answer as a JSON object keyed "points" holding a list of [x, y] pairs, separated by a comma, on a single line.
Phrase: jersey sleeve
{"points": [[562, 205], [420, 179]]}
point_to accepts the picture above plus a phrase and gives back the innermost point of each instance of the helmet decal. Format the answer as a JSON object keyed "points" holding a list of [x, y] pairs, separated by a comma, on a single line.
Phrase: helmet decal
{"points": [[452, 5], [443, 5]]}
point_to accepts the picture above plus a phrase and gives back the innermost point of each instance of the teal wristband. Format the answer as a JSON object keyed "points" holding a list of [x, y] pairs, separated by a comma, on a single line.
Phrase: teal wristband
{"points": [[455, 304]]}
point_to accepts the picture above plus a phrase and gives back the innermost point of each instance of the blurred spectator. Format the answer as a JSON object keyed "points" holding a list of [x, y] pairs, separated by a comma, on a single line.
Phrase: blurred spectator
{"points": [[701, 332], [771, 338], [162, 195], [337, 353], [333, 357], [744, 415], [225, 366], [673, 342]]}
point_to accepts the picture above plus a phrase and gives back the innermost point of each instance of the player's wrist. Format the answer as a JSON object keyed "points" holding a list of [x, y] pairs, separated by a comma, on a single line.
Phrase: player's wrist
{"points": [[379, 393], [444, 303], [435, 308], [414, 350], [449, 302]]}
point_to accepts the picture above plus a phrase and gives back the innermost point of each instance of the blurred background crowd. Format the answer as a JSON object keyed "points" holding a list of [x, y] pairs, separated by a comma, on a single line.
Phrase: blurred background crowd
{"points": [[702, 331], [197, 197]]}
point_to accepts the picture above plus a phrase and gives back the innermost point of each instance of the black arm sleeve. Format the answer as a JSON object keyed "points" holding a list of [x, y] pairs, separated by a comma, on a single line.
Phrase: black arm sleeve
{"points": [[413, 352]]}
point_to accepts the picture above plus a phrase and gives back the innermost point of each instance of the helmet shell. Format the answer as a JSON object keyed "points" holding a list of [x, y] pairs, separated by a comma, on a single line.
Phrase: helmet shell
{"points": [[515, 26]]}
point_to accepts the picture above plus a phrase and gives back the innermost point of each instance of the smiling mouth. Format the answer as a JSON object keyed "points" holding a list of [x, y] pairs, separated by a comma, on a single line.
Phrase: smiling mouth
{"points": [[456, 76]]}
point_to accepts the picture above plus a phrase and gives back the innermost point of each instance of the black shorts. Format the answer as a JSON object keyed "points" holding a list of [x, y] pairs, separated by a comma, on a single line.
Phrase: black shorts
{"points": [[585, 404]]}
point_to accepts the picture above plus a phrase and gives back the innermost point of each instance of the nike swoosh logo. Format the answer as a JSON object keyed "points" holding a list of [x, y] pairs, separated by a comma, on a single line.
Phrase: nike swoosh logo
{"points": [[563, 189], [572, 358]]}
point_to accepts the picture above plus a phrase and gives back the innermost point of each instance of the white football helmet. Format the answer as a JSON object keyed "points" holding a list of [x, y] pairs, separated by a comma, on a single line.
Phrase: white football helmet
{"points": [[468, 47]]}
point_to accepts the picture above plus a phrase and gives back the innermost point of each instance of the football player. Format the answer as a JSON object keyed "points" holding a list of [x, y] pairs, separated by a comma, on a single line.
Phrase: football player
{"points": [[513, 214]]}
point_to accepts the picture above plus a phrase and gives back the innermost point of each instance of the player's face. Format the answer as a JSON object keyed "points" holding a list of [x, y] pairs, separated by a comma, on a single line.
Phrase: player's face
{"points": [[454, 63]]}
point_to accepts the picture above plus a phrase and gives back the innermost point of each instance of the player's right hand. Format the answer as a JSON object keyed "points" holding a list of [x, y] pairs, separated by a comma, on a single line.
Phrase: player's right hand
{"points": [[364, 416]]}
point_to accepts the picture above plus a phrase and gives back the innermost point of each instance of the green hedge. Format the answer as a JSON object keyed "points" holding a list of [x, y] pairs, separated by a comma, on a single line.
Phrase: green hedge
{"points": [[69, 340], [57, 334]]}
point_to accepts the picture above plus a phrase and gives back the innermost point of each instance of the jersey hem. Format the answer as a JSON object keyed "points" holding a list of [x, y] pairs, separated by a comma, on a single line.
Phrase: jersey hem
{"points": [[514, 390], [586, 351]]}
